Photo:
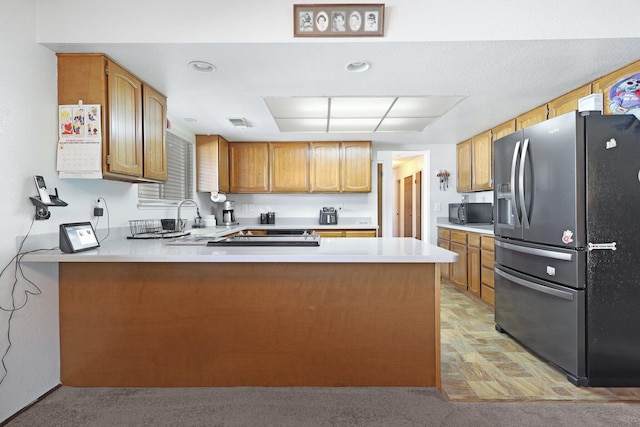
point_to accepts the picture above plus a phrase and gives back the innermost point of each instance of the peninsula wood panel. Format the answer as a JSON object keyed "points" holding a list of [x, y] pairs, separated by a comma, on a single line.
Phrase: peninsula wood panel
{"points": [[249, 324]]}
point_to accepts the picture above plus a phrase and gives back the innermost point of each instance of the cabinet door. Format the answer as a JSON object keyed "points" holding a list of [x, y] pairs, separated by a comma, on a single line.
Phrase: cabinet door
{"points": [[212, 163], [532, 117], [356, 167], [289, 167], [325, 167], [248, 167], [568, 101], [504, 129], [463, 166], [445, 268], [330, 233], [604, 84], [482, 162], [223, 165], [359, 233], [473, 270], [155, 145], [124, 150], [459, 268], [487, 259]]}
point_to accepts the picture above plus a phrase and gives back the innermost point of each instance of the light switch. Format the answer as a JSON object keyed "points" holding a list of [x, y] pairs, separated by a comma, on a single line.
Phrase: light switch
{"points": [[437, 207]]}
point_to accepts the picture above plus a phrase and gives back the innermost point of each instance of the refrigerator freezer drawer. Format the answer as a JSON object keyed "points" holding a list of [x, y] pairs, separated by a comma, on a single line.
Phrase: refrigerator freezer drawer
{"points": [[558, 265], [548, 319]]}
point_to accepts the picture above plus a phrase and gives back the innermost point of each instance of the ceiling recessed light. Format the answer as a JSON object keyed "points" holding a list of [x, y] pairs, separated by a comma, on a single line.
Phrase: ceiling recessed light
{"points": [[358, 66], [202, 66], [190, 119]]}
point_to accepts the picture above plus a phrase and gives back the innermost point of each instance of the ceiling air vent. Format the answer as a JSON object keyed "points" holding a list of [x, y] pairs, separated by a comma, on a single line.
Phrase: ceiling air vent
{"points": [[239, 123]]}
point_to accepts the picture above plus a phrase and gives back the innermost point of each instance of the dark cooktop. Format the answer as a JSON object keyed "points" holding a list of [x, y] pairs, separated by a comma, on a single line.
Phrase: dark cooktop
{"points": [[271, 240]]}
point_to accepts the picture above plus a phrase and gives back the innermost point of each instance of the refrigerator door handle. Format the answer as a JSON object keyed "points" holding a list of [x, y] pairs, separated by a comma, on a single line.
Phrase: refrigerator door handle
{"points": [[534, 286], [535, 251], [514, 164], [523, 159]]}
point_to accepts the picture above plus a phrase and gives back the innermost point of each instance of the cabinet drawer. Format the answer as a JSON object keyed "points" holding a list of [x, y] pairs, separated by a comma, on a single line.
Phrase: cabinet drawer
{"points": [[487, 294], [459, 236], [487, 259], [487, 243], [487, 276], [473, 239], [444, 233]]}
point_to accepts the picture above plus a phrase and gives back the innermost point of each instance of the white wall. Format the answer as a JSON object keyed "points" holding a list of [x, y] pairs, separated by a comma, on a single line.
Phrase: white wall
{"points": [[28, 128], [219, 21]]}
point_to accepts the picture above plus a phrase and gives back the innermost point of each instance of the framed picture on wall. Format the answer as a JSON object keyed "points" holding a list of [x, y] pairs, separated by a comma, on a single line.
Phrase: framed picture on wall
{"points": [[338, 20]]}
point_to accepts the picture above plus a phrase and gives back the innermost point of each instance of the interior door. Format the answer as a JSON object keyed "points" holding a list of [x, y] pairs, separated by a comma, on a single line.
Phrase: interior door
{"points": [[419, 205], [408, 206]]}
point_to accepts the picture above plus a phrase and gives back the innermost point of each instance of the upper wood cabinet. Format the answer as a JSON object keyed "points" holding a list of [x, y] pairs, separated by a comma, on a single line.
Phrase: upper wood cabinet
{"points": [[325, 167], [212, 164], [504, 129], [532, 117], [300, 167], [482, 162], [248, 167], [154, 136], [356, 166], [474, 164], [463, 166], [133, 115], [603, 84], [568, 102], [289, 167]]}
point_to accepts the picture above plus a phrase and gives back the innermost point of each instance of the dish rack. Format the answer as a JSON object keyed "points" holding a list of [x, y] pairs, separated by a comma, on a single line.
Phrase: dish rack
{"points": [[145, 226], [153, 228]]}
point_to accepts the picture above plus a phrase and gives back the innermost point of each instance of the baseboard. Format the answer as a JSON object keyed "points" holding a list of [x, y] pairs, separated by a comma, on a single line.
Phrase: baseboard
{"points": [[26, 408]]}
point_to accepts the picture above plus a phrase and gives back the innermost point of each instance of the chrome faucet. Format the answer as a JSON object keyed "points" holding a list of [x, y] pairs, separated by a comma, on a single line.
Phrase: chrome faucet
{"points": [[179, 225]]}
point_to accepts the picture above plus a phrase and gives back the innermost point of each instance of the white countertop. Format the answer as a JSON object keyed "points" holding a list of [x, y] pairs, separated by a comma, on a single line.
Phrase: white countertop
{"points": [[475, 228], [331, 250]]}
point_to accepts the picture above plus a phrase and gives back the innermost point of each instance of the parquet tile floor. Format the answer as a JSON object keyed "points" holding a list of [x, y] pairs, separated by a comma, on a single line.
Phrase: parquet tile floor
{"points": [[479, 363]]}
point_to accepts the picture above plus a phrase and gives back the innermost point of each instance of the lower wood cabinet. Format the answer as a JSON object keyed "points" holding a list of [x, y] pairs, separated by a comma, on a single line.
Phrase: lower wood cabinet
{"points": [[347, 233], [459, 268], [473, 263], [473, 272], [444, 241], [487, 259], [331, 233]]}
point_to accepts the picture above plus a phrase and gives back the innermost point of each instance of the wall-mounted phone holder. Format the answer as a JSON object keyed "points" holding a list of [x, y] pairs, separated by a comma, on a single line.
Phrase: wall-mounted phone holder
{"points": [[42, 208]]}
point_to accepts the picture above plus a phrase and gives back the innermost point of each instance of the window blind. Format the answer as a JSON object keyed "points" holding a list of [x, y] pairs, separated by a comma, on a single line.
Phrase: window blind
{"points": [[179, 184]]}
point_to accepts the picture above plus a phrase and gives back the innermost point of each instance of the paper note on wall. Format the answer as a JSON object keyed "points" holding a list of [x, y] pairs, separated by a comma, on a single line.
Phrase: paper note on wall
{"points": [[79, 141]]}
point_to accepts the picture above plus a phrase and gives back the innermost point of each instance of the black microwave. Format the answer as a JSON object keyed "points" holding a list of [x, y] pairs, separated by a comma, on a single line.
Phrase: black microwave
{"points": [[467, 213]]}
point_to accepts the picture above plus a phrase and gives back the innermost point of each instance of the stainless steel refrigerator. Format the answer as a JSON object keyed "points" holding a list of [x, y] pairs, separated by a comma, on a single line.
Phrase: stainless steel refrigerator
{"points": [[567, 229]]}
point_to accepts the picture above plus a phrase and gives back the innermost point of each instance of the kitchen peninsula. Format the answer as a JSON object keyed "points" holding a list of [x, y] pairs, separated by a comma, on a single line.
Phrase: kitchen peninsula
{"points": [[351, 312]]}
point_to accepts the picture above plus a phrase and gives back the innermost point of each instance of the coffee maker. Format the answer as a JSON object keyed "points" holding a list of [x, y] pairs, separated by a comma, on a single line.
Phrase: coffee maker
{"points": [[224, 212]]}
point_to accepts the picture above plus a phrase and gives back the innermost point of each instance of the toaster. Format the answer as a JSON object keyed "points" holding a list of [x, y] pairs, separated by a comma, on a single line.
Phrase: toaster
{"points": [[328, 216]]}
